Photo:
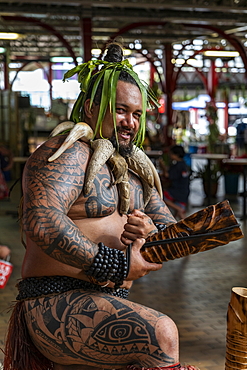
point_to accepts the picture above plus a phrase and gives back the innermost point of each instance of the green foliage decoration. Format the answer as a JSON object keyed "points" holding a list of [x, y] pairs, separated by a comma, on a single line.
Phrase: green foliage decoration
{"points": [[109, 74]]}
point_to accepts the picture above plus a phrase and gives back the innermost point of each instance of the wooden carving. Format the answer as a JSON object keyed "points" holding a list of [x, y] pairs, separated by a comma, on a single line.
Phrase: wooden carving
{"points": [[210, 227], [236, 337]]}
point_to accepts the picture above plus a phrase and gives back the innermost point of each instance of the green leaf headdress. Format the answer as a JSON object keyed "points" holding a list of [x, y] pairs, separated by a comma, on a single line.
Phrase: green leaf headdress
{"points": [[109, 75]]}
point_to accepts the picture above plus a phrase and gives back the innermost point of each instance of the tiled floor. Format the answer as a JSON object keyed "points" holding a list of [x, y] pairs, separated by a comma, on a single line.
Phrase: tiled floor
{"points": [[194, 291]]}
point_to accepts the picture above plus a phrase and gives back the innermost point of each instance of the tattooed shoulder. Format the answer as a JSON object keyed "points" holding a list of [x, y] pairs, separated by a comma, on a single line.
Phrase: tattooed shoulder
{"points": [[60, 181]]}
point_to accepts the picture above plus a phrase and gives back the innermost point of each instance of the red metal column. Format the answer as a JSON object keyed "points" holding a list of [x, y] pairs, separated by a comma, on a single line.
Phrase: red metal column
{"points": [[86, 42], [169, 92], [212, 80], [226, 114]]}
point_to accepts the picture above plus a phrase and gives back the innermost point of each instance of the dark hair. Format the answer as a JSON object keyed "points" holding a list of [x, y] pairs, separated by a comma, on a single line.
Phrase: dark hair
{"points": [[114, 55], [178, 150]]}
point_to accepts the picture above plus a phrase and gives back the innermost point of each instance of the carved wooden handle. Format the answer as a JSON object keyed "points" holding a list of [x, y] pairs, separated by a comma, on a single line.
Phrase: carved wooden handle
{"points": [[236, 337], [204, 230]]}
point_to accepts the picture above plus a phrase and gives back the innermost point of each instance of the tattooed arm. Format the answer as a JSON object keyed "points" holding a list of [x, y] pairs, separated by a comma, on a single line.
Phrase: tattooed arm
{"points": [[158, 210], [49, 191]]}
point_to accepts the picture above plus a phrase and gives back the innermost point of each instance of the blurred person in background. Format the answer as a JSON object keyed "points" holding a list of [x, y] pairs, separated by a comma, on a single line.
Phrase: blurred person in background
{"points": [[177, 173], [6, 161]]}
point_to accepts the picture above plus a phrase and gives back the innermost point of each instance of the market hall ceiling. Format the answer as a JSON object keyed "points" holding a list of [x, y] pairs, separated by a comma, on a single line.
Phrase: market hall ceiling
{"points": [[151, 23]]}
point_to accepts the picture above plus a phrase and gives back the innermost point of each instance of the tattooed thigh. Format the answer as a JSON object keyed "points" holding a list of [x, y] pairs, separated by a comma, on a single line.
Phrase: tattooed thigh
{"points": [[95, 329]]}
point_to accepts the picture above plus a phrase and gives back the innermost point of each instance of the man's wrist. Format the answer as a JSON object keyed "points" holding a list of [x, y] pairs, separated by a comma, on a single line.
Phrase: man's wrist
{"points": [[152, 232], [109, 264]]}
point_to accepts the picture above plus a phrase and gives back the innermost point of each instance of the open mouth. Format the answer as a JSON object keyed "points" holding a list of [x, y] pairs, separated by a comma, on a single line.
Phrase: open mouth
{"points": [[124, 135]]}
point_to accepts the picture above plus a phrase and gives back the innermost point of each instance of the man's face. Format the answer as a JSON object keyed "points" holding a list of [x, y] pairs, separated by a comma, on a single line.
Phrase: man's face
{"points": [[128, 113]]}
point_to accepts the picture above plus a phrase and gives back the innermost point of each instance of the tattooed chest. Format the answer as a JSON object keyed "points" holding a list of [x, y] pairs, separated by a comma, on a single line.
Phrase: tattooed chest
{"points": [[101, 201], [136, 193]]}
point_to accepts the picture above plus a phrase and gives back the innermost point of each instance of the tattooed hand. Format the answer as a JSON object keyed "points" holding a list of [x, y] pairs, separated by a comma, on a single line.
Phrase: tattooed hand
{"points": [[138, 225], [138, 266]]}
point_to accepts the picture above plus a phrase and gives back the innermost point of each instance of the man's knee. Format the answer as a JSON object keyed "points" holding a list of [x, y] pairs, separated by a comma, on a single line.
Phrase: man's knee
{"points": [[167, 336]]}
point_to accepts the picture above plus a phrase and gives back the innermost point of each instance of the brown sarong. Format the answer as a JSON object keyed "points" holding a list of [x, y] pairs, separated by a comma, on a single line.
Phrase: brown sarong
{"points": [[20, 353]]}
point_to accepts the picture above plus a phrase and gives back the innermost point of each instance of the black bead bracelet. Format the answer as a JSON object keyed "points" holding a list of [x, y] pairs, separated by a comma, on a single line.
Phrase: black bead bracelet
{"points": [[110, 264], [160, 227]]}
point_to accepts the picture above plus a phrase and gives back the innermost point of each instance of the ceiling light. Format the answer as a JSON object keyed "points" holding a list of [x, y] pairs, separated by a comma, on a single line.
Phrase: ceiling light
{"points": [[138, 46], [61, 59], [180, 61], [177, 46], [158, 51], [194, 62], [127, 52], [9, 35], [221, 53], [197, 42], [96, 51]]}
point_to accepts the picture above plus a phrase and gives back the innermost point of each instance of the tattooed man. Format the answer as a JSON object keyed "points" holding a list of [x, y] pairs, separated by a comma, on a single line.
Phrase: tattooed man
{"points": [[79, 226]]}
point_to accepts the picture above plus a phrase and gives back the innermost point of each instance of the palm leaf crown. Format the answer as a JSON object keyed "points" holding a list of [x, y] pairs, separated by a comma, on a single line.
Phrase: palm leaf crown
{"points": [[108, 74]]}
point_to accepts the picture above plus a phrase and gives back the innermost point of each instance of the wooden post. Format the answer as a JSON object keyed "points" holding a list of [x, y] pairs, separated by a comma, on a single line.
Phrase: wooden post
{"points": [[236, 337]]}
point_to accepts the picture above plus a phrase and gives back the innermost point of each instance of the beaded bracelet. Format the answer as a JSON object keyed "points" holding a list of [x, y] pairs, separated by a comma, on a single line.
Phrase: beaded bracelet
{"points": [[160, 227], [110, 264]]}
